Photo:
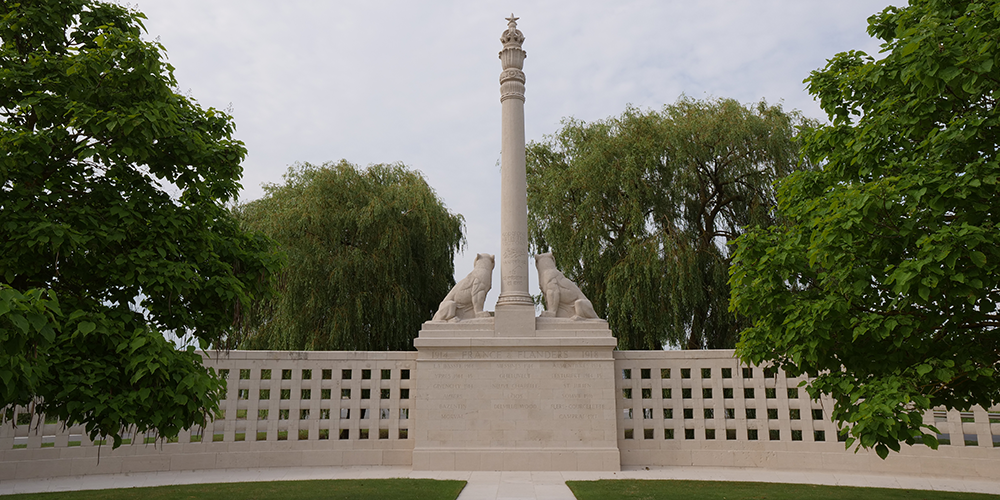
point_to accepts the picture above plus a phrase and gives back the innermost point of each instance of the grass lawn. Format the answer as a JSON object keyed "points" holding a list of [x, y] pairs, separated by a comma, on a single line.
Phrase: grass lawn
{"points": [[339, 489], [718, 490]]}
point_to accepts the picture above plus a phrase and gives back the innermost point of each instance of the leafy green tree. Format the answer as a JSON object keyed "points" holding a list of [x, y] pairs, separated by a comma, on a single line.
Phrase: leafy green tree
{"points": [[884, 282], [112, 225], [639, 209], [370, 256]]}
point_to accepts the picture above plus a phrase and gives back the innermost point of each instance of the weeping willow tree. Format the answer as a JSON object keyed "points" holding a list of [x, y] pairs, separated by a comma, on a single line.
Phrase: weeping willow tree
{"points": [[369, 257], [639, 210]]}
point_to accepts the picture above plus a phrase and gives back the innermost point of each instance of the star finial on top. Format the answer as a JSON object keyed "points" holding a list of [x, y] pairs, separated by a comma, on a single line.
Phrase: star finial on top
{"points": [[512, 21]]}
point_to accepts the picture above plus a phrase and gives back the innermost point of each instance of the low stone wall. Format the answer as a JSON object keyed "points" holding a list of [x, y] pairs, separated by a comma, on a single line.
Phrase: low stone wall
{"points": [[281, 409], [703, 408], [673, 408]]}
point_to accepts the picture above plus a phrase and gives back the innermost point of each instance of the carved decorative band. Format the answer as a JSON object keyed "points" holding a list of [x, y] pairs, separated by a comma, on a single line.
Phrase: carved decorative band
{"points": [[512, 74], [519, 97], [515, 299]]}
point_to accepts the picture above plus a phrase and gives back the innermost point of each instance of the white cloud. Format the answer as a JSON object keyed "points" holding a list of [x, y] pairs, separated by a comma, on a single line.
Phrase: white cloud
{"points": [[417, 82]]}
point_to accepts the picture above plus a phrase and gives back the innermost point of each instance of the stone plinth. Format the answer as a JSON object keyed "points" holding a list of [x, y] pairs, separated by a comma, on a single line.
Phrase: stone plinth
{"points": [[489, 400]]}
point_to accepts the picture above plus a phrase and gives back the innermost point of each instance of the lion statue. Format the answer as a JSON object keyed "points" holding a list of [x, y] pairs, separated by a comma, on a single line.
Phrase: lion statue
{"points": [[466, 298], [563, 299]]}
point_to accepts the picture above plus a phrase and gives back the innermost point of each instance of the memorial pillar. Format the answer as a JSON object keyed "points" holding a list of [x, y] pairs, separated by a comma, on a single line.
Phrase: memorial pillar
{"points": [[515, 310], [514, 392]]}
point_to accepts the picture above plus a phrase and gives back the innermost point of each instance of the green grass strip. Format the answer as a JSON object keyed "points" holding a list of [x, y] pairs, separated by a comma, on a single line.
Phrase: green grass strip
{"points": [[630, 489], [336, 489]]}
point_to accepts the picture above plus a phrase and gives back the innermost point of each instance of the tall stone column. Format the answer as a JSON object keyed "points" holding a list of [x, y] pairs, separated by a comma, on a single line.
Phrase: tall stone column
{"points": [[514, 300], [515, 392]]}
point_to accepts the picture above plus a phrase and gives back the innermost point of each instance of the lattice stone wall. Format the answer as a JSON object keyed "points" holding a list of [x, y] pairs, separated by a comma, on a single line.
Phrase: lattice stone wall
{"points": [[693, 408], [705, 408], [281, 409]]}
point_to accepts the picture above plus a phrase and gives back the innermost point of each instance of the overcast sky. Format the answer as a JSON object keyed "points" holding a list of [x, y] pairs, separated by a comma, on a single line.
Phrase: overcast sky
{"points": [[417, 82]]}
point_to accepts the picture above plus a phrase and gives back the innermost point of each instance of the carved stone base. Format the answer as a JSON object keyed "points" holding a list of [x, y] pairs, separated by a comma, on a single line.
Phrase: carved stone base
{"points": [[543, 400]]}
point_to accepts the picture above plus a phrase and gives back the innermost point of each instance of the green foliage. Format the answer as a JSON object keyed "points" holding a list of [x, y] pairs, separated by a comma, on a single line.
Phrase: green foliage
{"points": [[112, 224], [638, 210], [884, 283], [370, 255]]}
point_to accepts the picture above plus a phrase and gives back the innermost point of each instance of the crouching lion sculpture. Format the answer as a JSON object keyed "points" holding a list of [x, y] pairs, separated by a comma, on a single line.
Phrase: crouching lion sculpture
{"points": [[466, 298], [563, 299]]}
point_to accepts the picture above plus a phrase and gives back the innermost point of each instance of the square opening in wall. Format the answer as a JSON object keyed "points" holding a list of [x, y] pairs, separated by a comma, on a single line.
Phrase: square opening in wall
{"points": [[345, 434], [645, 373], [647, 433], [345, 374], [404, 374]]}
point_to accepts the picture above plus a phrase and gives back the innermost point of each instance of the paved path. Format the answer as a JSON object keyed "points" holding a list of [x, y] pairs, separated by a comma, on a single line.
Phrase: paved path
{"points": [[495, 485]]}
